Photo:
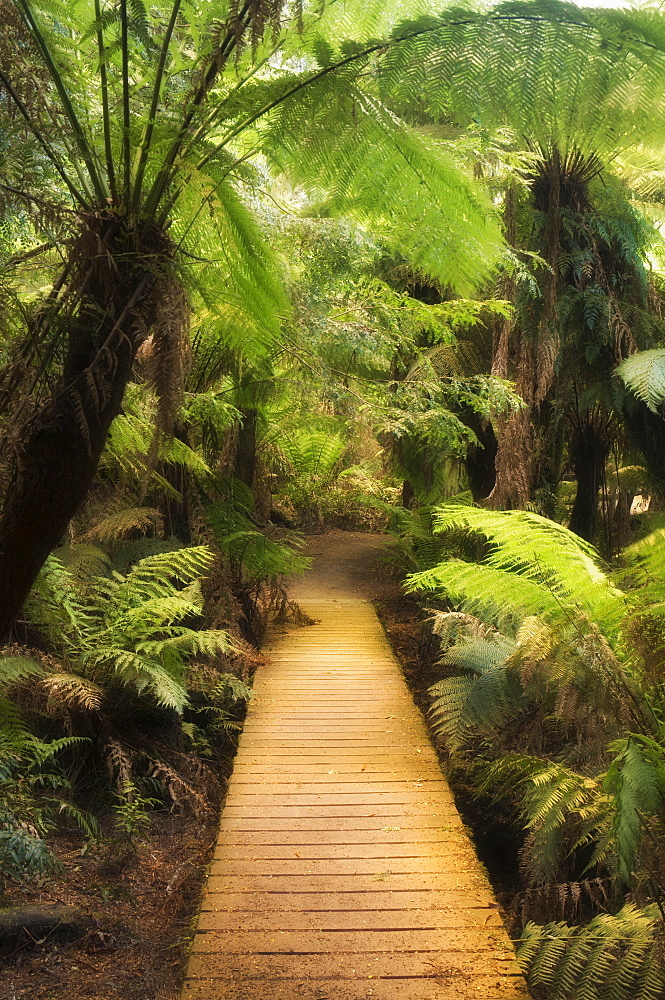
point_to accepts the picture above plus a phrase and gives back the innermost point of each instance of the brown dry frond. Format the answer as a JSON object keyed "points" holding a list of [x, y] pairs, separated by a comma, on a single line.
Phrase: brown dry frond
{"points": [[70, 691], [124, 524], [452, 626], [254, 16], [567, 899], [182, 793], [119, 764]]}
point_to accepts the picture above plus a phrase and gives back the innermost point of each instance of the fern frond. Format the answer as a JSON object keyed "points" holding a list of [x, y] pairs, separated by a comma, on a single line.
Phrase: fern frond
{"points": [[554, 574], [495, 596], [140, 673], [562, 809], [17, 668], [614, 957], [124, 523], [477, 655], [644, 374], [74, 691], [636, 783]]}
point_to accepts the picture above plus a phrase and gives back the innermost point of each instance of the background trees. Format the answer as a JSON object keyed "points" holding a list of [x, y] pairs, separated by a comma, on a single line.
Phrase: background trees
{"points": [[147, 120]]}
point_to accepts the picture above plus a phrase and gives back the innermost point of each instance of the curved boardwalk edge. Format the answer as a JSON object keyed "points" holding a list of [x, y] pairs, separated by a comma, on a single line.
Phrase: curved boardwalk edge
{"points": [[342, 870]]}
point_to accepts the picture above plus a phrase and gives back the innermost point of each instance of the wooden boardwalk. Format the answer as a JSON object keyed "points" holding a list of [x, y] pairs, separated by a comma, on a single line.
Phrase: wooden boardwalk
{"points": [[343, 871]]}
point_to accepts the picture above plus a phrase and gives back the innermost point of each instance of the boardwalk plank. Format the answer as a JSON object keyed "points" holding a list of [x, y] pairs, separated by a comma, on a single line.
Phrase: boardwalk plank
{"points": [[342, 870]]}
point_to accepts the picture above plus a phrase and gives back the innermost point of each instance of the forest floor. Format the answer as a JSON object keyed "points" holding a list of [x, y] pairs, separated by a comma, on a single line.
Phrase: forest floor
{"points": [[143, 904]]}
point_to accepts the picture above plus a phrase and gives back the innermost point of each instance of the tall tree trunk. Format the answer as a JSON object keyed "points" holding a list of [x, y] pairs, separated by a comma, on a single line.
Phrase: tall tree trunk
{"points": [[176, 511], [56, 450], [54, 466]]}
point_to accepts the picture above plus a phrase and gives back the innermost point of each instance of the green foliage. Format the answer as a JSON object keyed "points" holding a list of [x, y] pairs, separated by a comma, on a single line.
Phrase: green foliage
{"points": [[613, 957], [129, 629], [253, 556], [644, 374], [636, 783], [562, 810], [482, 698], [534, 566], [33, 792], [131, 818], [581, 661]]}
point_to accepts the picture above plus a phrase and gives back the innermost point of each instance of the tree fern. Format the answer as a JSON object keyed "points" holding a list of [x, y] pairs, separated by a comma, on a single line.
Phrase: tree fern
{"points": [[527, 547]]}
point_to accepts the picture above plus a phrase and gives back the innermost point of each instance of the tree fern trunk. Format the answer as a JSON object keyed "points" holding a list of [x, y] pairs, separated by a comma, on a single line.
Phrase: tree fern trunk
{"points": [[589, 454], [55, 463], [56, 450], [245, 463], [175, 512]]}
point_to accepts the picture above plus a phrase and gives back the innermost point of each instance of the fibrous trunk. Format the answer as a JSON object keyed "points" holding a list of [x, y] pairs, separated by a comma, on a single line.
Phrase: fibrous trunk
{"points": [[588, 453], [55, 450]]}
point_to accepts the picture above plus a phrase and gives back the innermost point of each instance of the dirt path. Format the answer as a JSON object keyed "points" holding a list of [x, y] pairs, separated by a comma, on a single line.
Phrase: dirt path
{"points": [[342, 870]]}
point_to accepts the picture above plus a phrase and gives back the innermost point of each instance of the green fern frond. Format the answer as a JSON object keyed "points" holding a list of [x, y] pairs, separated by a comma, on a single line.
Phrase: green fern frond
{"points": [[229, 692], [313, 452], [83, 561], [495, 596], [613, 957], [644, 374], [636, 782], [138, 672], [562, 809], [534, 567], [477, 656], [16, 668], [154, 575], [480, 703]]}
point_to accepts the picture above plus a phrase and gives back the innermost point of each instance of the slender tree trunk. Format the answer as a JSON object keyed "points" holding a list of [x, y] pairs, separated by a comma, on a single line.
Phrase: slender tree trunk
{"points": [[176, 512], [589, 454], [245, 463]]}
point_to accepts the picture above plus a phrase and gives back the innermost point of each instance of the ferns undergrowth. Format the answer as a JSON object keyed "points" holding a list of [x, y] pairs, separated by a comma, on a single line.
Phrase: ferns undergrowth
{"points": [[551, 699]]}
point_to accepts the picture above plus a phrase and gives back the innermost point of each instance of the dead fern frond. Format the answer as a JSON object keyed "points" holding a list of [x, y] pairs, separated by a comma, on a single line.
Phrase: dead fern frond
{"points": [[119, 764], [182, 794], [453, 626], [73, 692], [126, 523]]}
